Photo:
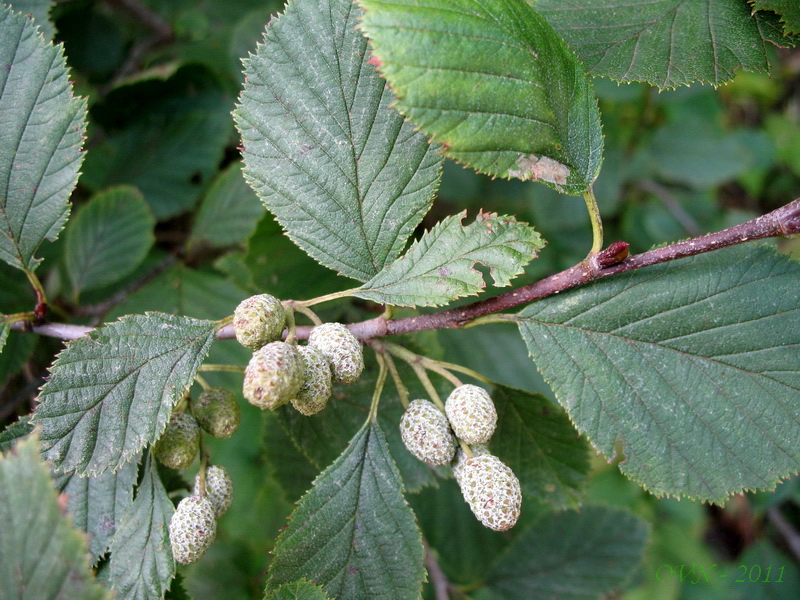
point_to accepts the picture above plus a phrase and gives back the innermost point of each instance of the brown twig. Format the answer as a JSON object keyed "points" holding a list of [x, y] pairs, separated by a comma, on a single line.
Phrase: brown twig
{"points": [[441, 585], [780, 222]]}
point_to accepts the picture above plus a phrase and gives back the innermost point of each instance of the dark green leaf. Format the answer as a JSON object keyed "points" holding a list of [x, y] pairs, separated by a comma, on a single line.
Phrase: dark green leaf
{"points": [[39, 10], [293, 471], [298, 590], [42, 127], [141, 557], [789, 12], [494, 84], [440, 267], [347, 178], [573, 555], [229, 212], [108, 238], [97, 503], [667, 43], [5, 328], [537, 440], [353, 533], [111, 393], [691, 364], [11, 434], [41, 556]]}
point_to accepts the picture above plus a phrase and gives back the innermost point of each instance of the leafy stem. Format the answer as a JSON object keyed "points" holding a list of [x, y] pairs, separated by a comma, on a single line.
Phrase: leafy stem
{"points": [[597, 223]]}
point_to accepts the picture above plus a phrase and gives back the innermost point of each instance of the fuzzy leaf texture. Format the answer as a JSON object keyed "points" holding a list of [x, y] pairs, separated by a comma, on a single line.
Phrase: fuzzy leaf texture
{"points": [[667, 43], [494, 84], [39, 11], [97, 503], [353, 532], [141, 556], [691, 364], [41, 132], [110, 393], [347, 178], [571, 556], [440, 267], [298, 590], [41, 556]]}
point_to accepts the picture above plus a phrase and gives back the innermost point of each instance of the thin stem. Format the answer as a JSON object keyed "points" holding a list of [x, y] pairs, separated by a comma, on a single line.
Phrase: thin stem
{"points": [[494, 318], [201, 474], [218, 368], [422, 375], [291, 330], [436, 368], [376, 394], [465, 371], [402, 390], [304, 310], [597, 222], [203, 383], [327, 297]]}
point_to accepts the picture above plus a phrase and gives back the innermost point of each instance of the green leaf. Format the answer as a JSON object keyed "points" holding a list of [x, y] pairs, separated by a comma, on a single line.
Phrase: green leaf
{"points": [[141, 556], [353, 533], [573, 555], [691, 364], [111, 392], [229, 212], [439, 267], [39, 10], [5, 328], [298, 590], [108, 238], [667, 43], [41, 555], [348, 179], [97, 503], [42, 127], [538, 442], [11, 434], [494, 84], [788, 10]]}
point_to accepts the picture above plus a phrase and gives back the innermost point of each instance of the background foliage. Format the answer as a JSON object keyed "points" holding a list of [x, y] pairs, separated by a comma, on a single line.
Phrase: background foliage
{"points": [[160, 86]]}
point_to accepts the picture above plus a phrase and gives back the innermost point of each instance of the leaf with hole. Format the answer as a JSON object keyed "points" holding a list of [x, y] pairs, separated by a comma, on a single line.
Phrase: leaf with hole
{"points": [[691, 365]]}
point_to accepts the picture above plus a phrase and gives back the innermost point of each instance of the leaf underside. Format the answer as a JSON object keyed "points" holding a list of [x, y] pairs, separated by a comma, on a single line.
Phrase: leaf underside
{"points": [[353, 532], [41, 132], [493, 83], [111, 393], [347, 178], [691, 364], [667, 43], [440, 267]]}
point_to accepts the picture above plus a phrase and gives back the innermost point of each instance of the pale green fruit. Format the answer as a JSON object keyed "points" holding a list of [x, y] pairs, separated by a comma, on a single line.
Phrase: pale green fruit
{"points": [[426, 433], [492, 491], [461, 458], [273, 376], [341, 348], [178, 445], [471, 413], [219, 489], [217, 412], [316, 388], [259, 320], [192, 529]]}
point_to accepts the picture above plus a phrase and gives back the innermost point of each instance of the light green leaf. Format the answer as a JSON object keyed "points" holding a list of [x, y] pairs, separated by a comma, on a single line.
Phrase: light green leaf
{"points": [[111, 392], [39, 10], [494, 84], [789, 12], [229, 211], [353, 533], [5, 328], [97, 503], [41, 132], [11, 434], [298, 590], [41, 556], [538, 442], [691, 364], [667, 43], [440, 267], [108, 238], [348, 179], [573, 555], [141, 556]]}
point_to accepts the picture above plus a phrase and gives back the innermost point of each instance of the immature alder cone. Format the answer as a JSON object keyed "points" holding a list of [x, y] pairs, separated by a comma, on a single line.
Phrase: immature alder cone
{"points": [[461, 459], [273, 376], [192, 529], [471, 413], [426, 433], [178, 445], [259, 320], [217, 412], [219, 489], [341, 348], [316, 388], [492, 491]]}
